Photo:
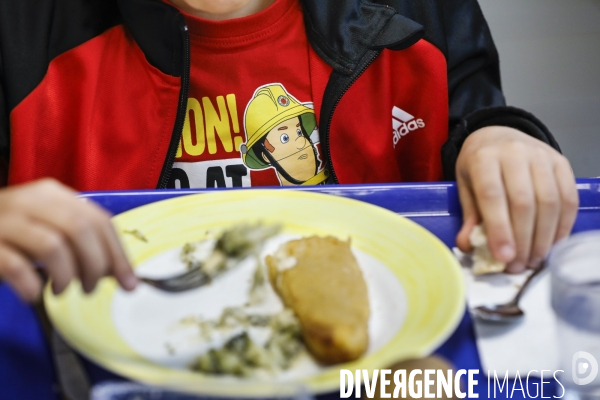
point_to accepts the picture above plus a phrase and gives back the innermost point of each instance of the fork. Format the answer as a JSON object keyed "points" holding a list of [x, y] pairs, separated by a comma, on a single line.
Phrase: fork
{"points": [[199, 274], [234, 244], [189, 280]]}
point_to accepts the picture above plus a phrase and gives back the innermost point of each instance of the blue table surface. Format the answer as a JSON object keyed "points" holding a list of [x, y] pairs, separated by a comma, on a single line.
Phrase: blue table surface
{"points": [[26, 370]]}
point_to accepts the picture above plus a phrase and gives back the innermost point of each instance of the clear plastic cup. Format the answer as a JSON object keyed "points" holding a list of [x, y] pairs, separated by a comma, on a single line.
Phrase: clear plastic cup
{"points": [[575, 267], [135, 391]]}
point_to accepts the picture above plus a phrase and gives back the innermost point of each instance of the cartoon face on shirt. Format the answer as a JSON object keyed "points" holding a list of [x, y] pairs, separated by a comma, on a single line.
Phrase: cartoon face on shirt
{"points": [[291, 149], [282, 134]]}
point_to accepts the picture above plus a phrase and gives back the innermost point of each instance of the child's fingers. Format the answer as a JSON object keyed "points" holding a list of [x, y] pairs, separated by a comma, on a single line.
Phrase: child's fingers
{"points": [[121, 268], [548, 207], [489, 192], [95, 259], [527, 206], [470, 214], [18, 272], [569, 197], [42, 244], [101, 252], [116, 263], [522, 209], [76, 228]]}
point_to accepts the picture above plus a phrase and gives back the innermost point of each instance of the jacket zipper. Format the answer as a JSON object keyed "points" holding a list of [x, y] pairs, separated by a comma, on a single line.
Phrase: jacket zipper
{"points": [[349, 81], [165, 174]]}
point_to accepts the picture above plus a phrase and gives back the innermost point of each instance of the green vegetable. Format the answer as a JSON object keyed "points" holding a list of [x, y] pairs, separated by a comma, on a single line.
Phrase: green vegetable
{"points": [[241, 356]]}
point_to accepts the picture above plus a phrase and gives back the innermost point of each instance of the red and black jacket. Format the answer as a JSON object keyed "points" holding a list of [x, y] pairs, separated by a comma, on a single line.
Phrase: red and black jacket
{"points": [[94, 92]]}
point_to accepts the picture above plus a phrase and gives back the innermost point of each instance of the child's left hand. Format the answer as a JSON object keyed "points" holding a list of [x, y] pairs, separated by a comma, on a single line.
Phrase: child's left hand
{"points": [[522, 189]]}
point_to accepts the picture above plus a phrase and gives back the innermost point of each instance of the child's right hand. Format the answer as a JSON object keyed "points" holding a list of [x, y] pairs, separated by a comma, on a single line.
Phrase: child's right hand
{"points": [[44, 223]]}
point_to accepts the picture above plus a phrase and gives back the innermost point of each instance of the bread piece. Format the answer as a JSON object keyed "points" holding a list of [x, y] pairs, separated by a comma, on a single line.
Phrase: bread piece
{"points": [[319, 279], [483, 261]]}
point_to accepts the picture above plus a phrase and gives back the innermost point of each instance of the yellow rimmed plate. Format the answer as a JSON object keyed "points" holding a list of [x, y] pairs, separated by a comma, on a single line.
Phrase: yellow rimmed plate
{"points": [[414, 282]]}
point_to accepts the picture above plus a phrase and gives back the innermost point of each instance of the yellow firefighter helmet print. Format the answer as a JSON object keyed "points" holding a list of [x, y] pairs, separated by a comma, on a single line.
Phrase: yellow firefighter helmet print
{"points": [[270, 106]]}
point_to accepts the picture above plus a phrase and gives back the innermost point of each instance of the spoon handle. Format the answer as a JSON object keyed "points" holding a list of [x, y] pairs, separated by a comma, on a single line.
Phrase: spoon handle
{"points": [[527, 282]]}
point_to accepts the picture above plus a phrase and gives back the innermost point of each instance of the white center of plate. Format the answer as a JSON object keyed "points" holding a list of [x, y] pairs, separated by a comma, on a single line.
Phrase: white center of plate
{"points": [[149, 320]]}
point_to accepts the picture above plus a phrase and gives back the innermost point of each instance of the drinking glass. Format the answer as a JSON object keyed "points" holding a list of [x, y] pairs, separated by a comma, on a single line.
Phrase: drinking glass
{"points": [[575, 268], [136, 391]]}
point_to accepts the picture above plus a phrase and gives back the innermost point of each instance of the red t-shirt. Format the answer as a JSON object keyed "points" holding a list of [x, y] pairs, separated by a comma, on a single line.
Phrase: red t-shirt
{"points": [[250, 119]]}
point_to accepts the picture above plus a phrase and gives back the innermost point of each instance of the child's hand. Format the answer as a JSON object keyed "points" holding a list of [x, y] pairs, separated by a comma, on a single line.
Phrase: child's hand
{"points": [[522, 189], [43, 222]]}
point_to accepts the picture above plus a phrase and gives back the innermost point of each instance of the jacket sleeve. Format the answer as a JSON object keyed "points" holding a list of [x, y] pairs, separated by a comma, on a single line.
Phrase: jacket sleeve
{"points": [[475, 92]]}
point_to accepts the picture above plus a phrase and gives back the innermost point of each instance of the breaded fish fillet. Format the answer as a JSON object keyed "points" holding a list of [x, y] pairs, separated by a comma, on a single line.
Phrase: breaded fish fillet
{"points": [[319, 278]]}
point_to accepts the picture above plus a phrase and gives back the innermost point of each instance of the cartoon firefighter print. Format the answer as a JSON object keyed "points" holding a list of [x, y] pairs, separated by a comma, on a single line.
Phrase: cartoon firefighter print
{"points": [[282, 134]]}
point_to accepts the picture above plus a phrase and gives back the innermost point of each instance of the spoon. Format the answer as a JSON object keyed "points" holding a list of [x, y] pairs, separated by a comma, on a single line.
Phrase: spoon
{"points": [[509, 312]]}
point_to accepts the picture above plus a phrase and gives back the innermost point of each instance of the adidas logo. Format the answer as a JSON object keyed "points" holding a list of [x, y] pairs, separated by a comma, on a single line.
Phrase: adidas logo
{"points": [[403, 123]]}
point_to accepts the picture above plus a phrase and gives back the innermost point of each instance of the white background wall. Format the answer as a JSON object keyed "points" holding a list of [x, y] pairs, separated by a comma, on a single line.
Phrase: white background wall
{"points": [[550, 63]]}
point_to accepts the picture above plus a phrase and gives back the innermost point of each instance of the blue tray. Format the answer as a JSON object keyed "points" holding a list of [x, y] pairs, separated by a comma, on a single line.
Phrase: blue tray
{"points": [[434, 206], [25, 365]]}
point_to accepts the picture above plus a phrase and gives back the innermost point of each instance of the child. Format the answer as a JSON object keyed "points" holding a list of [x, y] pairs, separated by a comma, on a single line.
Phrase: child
{"points": [[149, 93]]}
